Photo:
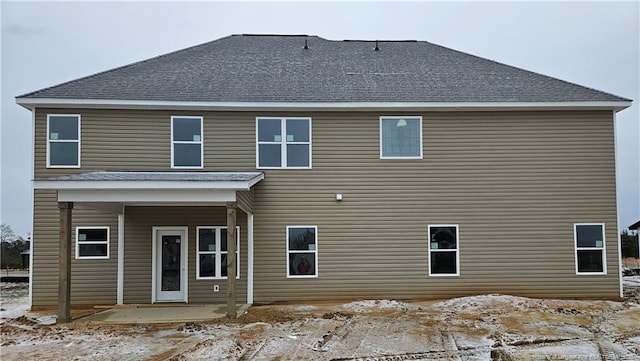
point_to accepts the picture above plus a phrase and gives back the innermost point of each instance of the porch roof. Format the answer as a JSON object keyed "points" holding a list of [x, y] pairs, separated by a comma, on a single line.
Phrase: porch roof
{"points": [[152, 180]]}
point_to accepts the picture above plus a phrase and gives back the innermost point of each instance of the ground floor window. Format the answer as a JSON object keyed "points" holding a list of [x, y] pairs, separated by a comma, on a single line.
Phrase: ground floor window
{"points": [[443, 250], [590, 249], [302, 251], [92, 242], [213, 252]]}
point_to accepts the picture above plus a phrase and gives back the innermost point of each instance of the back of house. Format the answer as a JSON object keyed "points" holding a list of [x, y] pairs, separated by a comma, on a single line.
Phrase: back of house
{"points": [[343, 169]]}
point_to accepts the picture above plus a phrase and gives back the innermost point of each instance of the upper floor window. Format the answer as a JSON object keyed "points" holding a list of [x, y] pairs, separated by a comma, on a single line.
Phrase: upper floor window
{"points": [[283, 142], [63, 141], [186, 142], [211, 261], [401, 137], [92, 242], [590, 250], [443, 250]]}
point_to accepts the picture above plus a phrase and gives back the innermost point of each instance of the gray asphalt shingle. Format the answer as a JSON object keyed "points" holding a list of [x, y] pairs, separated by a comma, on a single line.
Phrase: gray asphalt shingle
{"points": [[159, 176], [276, 68]]}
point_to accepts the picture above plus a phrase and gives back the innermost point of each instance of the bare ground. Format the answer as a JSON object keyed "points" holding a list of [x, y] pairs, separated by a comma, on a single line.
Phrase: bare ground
{"points": [[485, 327]]}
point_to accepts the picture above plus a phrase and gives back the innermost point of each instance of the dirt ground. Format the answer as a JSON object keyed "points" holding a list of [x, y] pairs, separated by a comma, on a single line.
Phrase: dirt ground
{"points": [[485, 327]]}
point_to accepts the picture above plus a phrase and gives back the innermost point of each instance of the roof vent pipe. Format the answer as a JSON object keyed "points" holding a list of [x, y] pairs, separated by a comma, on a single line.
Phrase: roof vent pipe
{"points": [[305, 44], [377, 48]]}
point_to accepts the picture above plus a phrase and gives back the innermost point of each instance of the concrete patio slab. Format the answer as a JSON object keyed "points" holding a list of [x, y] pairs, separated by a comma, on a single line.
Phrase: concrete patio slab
{"points": [[160, 314]]}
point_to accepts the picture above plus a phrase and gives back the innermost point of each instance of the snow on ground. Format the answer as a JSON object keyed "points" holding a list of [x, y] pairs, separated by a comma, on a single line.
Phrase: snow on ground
{"points": [[484, 327]]}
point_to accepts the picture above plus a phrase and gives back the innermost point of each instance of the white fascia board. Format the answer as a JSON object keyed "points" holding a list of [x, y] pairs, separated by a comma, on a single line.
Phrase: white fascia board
{"points": [[146, 185], [145, 196], [31, 103]]}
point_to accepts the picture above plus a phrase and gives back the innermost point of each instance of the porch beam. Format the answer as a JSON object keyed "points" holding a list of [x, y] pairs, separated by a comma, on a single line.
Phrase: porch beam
{"points": [[64, 270], [231, 259]]}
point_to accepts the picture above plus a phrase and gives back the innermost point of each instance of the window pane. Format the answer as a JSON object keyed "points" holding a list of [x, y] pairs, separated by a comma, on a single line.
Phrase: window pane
{"points": [[445, 237], [589, 235], [187, 129], [63, 128], [207, 265], [187, 155], [92, 250], [302, 264], [63, 153], [270, 155], [302, 239], [92, 235], [207, 239], [223, 239], [223, 265], [401, 137], [590, 261], [269, 130], [443, 262], [297, 155], [297, 130]]}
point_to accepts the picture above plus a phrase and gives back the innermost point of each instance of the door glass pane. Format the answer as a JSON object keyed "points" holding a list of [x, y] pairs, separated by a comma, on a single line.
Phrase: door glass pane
{"points": [[171, 263]]}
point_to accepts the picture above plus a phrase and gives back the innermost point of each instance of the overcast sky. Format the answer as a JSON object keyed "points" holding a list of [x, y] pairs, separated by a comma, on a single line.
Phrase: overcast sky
{"points": [[595, 44]]}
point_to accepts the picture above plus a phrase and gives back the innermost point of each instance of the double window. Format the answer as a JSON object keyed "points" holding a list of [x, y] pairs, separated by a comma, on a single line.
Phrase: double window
{"points": [[283, 142], [401, 137], [590, 248], [444, 257], [63, 141], [302, 251], [186, 142], [92, 242], [213, 253]]}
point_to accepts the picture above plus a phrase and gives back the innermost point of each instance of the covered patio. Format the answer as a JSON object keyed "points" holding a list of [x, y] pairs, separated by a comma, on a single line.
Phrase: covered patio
{"points": [[113, 192]]}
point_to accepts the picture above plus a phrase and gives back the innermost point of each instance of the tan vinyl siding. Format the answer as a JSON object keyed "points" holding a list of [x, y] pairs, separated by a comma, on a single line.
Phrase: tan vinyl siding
{"points": [[138, 251], [514, 182], [245, 200], [93, 281]]}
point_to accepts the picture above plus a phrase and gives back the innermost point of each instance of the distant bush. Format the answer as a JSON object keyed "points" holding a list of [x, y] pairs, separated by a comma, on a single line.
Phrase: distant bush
{"points": [[629, 244], [10, 248]]}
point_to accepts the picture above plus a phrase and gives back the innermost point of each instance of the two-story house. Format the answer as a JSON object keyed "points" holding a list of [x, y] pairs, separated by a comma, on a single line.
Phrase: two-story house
{"points": [[341, 169]]}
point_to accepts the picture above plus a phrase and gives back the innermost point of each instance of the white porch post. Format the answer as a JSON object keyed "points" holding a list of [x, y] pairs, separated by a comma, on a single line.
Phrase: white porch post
{"points": [[120, 282], [250, 258]]}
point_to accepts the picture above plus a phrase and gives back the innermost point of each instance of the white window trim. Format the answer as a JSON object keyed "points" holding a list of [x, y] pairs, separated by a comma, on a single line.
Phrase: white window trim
{"points": [[201, 142], [457, 250], [398, 117], [289, 275], [283, 143], [108, 241], [49, 141], [603, 249], [218, 253]]}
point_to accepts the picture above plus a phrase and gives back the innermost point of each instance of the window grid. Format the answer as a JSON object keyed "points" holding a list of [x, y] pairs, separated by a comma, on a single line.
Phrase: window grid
{"points": [[283, 143], [449, 250], [217, 253], [194, 142], [385, 118], [79, 231], [52, 141], [314, 252], [601, 249]]}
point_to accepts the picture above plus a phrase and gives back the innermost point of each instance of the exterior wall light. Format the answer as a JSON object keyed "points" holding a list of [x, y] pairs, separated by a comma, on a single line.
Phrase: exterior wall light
{"points": [[338, 196]]}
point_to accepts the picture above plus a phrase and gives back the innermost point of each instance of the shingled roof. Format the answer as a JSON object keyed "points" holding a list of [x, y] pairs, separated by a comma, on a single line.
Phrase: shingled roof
{"points": [[279, 68]]}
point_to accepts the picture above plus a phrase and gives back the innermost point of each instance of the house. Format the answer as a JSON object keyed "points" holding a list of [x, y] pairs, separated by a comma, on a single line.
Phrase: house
{"points": [[342, 169]]}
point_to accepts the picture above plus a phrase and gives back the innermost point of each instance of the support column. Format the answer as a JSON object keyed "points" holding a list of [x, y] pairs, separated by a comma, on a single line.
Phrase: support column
{"points": [[120, 274], [250, 258], [64, 271], [231, 260]]}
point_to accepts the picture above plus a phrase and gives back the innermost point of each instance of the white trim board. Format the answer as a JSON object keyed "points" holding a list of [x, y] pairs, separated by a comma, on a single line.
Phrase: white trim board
{"points": [[146, 196], [32, 103]]}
